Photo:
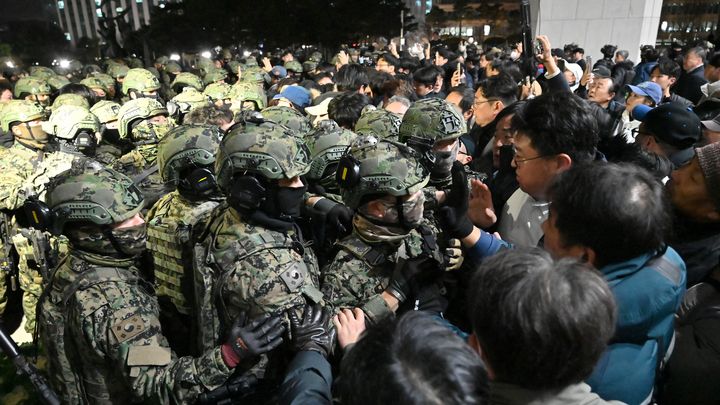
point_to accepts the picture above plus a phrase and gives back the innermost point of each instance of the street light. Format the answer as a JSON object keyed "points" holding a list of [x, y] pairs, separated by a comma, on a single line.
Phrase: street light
{"points": [[206, 54], [175, 57]]}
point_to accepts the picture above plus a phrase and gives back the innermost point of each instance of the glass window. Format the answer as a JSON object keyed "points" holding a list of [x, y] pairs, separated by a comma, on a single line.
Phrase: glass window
{"points": [[61, 4]]}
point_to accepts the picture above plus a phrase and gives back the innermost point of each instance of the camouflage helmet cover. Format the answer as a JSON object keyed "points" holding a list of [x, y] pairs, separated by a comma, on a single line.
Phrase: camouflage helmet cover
{"points": [[430, 120], [20, 111], [137, 109], [94, 83], [190, 99], [117, 70], [382, 123], [141, 80], [70, 99], [267, 149], [385, 167], [294, 65], [105, 111], [57, 81], [187, 79], [289, 118], [101, 196], [246, 91], [214, 75], [31, 85], [218, 91], [187, 146], [41, 72], [327, 144], [67, 120]]}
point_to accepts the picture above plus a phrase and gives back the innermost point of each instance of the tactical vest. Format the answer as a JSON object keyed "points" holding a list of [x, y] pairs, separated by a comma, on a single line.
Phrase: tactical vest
{"points": [[169, 240], [212, 267], [52, 314]]}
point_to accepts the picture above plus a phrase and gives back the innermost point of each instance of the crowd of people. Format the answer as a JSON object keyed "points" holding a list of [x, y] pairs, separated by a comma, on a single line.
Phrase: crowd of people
{"points": [[421, 226]]}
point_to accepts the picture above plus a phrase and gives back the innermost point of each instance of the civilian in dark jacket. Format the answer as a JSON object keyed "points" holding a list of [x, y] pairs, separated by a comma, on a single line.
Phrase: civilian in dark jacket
{"points": [[695, 194], [688, 85], [666, 73]]}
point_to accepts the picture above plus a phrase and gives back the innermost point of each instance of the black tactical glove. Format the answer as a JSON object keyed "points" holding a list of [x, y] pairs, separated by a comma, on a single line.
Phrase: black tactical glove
{"points": [[335, 218], [406, 274], [261, 335], [313, 333], [453, 216]]}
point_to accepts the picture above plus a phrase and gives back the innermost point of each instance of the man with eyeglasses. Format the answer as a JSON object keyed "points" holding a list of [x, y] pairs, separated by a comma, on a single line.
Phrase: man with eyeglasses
{"points": [[669, 130], [551, 133]]}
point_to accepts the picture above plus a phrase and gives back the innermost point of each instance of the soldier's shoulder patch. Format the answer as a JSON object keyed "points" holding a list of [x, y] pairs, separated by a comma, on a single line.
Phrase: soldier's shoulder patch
{"points": [[128, 328]]}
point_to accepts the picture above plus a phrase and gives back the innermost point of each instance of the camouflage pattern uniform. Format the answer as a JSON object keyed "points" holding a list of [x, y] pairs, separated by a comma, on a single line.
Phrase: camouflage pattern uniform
{"points": [[173, 223], [247, 92], [245, 263], [365, 261], [25, 169], [108, 151], [99, 320], [327, 144], [140, 163]]}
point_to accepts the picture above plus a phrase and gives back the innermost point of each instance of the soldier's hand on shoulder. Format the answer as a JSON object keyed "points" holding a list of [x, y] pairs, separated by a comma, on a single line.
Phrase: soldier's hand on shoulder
{"points": [[253, 338], [313, 333]]}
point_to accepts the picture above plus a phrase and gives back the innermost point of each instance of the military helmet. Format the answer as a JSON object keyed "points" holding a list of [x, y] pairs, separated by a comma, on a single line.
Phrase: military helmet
{"points": [[106, 79], [90, 70], [267, 149], [379, 167], [189, 99], [67, 120], [327, 144], [294, 65], [430, 120], [31, 85], [20, 111], [253, 75], [141, 80], [204, 64], [134, 63], [218, 91], [215, 75], [381, 123], [162, 60], [186, 79], [187, 146], [138, 109], [309, 65], [289, 117], [98, 195], [250, 61], [117, 70], [56, 82], [105, 111], [41, 72], [173, 67], [94, 83], [70, 99], [245, 91], [234, 65], [316, 57]]}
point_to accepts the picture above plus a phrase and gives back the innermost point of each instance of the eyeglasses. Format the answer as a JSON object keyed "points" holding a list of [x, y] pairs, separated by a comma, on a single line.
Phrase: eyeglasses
{"points": [[519, 162]]}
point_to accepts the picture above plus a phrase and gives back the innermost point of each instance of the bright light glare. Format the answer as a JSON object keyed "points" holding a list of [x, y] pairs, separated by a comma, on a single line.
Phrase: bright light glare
{"points": [[247, 54], [10, 64], [174, 56], [206, 54], [64, 63]]}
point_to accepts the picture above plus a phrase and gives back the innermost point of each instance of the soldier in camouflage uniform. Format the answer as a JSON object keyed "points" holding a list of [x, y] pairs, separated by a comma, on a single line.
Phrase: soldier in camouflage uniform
{"points": [[140, 83], [289, 117], [253, 257], [25, 168], [111, 147], [220, 94], [33, 89], [143, 122], [433, 127], [188, 100], [99, 320], [70, 99], [76, 129], [247, 96], [186, 157], [382, 181], [97, 86], [381, 123], [183, 80]]}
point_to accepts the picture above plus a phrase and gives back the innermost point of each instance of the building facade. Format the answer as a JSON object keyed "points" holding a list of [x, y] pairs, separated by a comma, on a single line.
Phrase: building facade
{"points": [[80, 18], [688, 20]]}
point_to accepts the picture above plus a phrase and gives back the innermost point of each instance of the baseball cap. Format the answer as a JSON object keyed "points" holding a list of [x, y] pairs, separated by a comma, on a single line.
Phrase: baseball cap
{"points": [[672, 123], [648, 89], [279, 71], [296, 94], [713, 124], [601, 71]]}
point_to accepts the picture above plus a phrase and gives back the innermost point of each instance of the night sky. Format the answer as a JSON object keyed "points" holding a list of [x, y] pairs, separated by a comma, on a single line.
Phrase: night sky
{"points": [[15, 10]]}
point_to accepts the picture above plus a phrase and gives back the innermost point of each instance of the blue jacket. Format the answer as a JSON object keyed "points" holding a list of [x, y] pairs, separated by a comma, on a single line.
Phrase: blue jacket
{"points": [[648, 290]]}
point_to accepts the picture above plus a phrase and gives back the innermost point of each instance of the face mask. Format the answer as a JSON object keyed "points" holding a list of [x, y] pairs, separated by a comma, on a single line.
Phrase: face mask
{"points": [[444, 161], [287, 202], [146, 132], [130, 241], [111, 135]]}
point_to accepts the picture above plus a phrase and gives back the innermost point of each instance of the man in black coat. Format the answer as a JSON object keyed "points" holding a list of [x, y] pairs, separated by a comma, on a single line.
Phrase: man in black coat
{"points": [[693, 76]]}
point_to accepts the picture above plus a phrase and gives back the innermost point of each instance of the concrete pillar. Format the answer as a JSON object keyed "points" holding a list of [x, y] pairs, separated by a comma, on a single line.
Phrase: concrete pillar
{"points": [[594, 23]]}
